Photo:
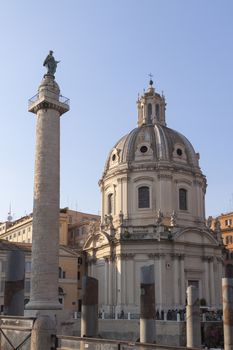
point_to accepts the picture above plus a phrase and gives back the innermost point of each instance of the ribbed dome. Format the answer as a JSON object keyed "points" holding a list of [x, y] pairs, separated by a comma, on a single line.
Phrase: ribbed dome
{"points": [[155, 144]]}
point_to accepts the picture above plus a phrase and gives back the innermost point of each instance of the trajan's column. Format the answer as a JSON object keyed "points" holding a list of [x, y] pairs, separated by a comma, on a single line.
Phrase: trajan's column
{"points": [[48, 105]]}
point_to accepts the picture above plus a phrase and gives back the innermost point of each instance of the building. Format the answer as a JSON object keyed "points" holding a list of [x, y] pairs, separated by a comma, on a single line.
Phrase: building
{"points": [[225, 224], [73, 231], [153, 212], [21, 230], [69, 265], [78, 232]]}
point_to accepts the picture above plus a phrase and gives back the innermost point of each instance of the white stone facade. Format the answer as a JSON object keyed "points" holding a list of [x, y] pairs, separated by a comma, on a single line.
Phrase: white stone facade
{"points": [[153, 212]]}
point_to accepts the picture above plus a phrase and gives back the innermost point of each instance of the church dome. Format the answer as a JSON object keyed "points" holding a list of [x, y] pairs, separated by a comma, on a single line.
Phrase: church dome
{"points": [[152, 142], [152, 170]]}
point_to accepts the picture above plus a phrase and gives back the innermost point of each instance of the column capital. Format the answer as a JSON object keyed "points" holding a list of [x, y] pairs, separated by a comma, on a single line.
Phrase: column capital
{"points": [[177, 256], [91, 260], [156, 255], [208, 258], [125, 256]]}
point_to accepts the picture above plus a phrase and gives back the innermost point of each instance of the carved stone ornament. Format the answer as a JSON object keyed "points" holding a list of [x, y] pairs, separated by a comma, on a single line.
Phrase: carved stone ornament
{"points": [[209, 221], [217, 230], [108, 221], [208, 258], [93, 227], [217, 226], [159, 218], [121, 218], [173, 218]]}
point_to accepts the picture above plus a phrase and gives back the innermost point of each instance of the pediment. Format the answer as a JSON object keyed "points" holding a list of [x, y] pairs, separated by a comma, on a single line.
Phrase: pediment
{"points": [[196, 236], [65, 251], [96, 240]]}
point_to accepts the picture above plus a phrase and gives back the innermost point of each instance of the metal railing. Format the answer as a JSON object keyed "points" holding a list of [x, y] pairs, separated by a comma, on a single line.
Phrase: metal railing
{"points": [[62, 99], [164, 316]]}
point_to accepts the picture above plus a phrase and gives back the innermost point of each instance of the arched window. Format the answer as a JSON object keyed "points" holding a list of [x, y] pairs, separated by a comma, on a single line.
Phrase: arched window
{"points": [[144, 197], [60, 272], [149, 111], [110, 203], [157, 111], [183, 199]]}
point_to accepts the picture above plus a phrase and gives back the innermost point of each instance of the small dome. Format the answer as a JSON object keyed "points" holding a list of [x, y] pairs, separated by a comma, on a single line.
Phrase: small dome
{"points": [[154, 145]]}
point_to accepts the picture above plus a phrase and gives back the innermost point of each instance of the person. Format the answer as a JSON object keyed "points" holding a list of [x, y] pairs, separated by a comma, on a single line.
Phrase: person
{"points": [[50, 63]]}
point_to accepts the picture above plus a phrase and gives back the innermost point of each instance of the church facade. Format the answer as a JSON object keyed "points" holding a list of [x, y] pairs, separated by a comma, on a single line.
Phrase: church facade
{"points": [[153, 212]]}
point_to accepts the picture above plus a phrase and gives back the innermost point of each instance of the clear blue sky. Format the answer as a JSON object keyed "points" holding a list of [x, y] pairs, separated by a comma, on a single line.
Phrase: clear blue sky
{"points": [[107, 48]]}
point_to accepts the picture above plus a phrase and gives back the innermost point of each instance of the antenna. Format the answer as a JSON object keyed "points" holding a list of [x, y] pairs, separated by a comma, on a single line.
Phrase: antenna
{"points": [[9, 216]]}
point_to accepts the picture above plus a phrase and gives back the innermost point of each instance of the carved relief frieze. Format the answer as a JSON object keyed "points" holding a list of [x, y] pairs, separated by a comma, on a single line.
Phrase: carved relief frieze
{"points": [[183, 180], [144, 178], [164, 177]]}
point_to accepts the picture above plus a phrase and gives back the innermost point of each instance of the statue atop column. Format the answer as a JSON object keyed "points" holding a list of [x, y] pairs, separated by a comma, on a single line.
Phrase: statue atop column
{"points": [[50, 63]]}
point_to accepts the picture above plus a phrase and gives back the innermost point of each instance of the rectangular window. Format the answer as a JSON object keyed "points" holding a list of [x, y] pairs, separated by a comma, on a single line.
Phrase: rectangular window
{"points": [[110, 203], [183, 199], [144, 197], [2, 285], [228, 222], [3, 265], [28, 266]]}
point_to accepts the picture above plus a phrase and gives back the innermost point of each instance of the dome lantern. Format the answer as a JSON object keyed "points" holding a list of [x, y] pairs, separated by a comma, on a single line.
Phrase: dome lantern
{"points": [[151, 107]]}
